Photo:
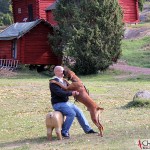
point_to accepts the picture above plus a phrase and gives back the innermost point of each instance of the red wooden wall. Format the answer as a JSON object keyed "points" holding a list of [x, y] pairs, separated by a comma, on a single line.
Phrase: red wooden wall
{"points": [[20, 9], [130, 11], [42, 6], [5, 49], [33, 47], [50, 18]]}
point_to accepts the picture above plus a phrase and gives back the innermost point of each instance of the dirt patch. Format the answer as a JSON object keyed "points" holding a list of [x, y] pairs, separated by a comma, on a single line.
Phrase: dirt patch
{"points": [[7, 73], [135, 33], [132, 69]]}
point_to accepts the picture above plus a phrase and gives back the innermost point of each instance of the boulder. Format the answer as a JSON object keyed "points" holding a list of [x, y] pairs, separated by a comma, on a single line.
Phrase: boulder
{"points": [[142, 95]]}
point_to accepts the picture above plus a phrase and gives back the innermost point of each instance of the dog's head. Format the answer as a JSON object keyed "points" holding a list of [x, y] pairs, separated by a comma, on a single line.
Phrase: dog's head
{"points": [[68, 73]]}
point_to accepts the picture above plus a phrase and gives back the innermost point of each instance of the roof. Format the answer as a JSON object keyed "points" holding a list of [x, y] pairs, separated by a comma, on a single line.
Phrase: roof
{"points": [[17, 30], [52, 6]]}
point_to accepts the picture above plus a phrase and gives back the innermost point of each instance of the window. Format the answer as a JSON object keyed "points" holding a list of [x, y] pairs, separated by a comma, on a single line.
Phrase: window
{"points": [[19, 10]]}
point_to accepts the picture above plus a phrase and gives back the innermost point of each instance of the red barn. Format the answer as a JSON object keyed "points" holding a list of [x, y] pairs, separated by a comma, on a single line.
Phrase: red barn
{"points": [[130, 11], [28, 43]]}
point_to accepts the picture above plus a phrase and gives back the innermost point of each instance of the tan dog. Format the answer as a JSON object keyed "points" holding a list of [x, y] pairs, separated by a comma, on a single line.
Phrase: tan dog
{"points": [[83, 97], [55, 120]]}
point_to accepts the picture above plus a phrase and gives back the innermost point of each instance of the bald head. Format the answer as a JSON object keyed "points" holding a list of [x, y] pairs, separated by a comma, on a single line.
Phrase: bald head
{"points": [[58, 71], [57, 68]]}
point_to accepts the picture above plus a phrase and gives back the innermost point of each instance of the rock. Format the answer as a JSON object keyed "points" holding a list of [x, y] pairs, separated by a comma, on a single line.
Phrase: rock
{"points": [[142, 95]]}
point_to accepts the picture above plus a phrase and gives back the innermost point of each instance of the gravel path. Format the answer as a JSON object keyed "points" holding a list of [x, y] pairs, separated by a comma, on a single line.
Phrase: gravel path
{"points": [[132, 69]]}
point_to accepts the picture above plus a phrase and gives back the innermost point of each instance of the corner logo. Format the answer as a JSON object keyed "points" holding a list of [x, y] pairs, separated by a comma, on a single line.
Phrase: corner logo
{"points": [[143, 144]]}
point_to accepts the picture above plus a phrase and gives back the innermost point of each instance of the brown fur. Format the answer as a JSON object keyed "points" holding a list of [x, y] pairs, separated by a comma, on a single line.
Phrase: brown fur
{"points": [[83, 97], [55, 120]]}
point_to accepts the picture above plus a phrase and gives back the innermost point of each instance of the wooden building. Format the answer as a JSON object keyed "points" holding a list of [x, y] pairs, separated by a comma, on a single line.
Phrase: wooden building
{"points": [[30, 10], [28, 43], [130, 11], [49, 14]]}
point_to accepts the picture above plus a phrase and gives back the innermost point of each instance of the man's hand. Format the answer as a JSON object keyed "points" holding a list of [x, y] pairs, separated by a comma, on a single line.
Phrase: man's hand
{"points": [[74, 93]]}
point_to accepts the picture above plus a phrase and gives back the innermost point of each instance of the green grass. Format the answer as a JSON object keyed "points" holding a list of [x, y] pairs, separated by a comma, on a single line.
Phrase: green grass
{"points": [[139, 25], [137, 52], [26, 101]]}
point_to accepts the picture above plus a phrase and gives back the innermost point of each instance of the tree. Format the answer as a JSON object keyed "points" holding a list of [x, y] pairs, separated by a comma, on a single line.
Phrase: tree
{"points": [[4, 6], [5, 12], [7, 19], [90, 33], [141, 3]]}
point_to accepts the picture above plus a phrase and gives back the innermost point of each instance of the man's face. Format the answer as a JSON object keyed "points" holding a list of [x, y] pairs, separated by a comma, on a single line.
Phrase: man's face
{"points": [[59, 73]]}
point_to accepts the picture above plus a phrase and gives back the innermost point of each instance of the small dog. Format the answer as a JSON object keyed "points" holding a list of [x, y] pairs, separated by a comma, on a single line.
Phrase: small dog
{"points": [[55, 120]]}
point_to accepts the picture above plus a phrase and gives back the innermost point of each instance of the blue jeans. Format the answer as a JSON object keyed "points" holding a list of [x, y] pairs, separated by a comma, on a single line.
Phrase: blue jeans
{"points": [[71, 111]]}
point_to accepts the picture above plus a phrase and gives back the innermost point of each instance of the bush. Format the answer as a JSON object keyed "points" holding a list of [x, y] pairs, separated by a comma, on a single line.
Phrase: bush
{"points": [[90, 33]]}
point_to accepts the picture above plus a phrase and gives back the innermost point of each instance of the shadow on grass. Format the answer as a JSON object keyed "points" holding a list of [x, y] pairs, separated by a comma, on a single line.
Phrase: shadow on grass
{"points": [[138, 103], [38, 140]]}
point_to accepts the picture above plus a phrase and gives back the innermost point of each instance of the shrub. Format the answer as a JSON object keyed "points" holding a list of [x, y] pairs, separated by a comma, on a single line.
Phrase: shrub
{"points": [[90, 33]]}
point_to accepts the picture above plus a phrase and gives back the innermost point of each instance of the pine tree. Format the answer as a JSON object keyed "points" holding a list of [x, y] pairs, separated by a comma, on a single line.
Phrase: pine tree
{"points": [[141, 3], [90, 33], [5, 12]]}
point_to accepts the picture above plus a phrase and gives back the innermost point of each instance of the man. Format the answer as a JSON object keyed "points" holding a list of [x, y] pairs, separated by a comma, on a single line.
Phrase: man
{"points": [[59, 100]]}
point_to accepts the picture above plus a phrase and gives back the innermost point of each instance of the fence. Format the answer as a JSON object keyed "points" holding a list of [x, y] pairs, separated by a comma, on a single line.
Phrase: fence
{"points": [[8, 64]]}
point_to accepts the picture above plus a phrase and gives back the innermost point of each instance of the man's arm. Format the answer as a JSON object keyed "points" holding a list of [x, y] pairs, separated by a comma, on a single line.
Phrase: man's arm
{"points": [[59, 91], [59, 84]]}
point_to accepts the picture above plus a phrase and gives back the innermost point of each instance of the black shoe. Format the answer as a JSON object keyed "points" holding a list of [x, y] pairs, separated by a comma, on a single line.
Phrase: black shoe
{"points": [[65, 136], [91, 131]]}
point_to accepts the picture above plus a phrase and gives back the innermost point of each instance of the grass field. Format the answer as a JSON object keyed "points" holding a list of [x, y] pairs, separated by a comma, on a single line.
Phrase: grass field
{"points": [[137, 52], [26, 101]]}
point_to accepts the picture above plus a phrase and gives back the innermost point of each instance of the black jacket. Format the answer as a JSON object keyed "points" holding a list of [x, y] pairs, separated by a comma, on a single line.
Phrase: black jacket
{"points": [[58, 95]]}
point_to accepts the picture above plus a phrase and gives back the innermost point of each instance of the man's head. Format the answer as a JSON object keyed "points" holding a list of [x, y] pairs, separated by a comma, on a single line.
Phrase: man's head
{"points": [[58, 71]]}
